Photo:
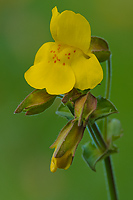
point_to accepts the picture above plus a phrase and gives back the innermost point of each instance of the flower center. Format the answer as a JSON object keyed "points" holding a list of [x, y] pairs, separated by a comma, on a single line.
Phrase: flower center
{"points": [[62, 54]]}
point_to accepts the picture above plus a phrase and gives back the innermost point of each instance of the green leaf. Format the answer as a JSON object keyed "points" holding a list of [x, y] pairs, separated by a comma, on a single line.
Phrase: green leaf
{"points": [[64, 111], [100, 48], [114, 130], [91, 154], [36, 102], [104, 109]]}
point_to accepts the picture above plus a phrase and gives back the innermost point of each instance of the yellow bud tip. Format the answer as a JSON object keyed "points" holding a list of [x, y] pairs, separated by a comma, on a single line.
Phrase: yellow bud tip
{"points": [[53, 166]]}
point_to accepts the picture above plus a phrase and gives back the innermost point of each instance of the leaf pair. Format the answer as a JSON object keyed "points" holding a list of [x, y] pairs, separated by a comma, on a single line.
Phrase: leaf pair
{"points": [[92, 154]]}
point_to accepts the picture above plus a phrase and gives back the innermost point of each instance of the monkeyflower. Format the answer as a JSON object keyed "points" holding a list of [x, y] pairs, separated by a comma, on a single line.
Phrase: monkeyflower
{"points": [[68, 62]]}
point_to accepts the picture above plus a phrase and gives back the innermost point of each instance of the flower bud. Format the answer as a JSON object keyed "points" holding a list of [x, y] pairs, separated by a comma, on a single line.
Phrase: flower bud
{"points": [[36, 102], [65, 145], [100, 48]]}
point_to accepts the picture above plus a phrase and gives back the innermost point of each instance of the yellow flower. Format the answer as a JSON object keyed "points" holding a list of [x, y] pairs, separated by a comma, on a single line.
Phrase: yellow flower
{"points": [[68, 62]]}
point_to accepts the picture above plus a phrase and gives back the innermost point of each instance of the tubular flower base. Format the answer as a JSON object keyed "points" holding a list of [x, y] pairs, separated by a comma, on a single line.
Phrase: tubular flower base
{"points": [[68, 62]]}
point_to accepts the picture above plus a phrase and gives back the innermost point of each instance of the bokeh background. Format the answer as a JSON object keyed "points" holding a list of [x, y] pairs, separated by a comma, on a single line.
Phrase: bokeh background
{"points": [[24, 141]]}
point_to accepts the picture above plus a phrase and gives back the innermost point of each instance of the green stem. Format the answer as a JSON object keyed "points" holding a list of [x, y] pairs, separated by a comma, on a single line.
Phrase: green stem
{"points": [[108, 81], [93, 136], [110, 179], [98, 139], [97, 136], [107, 161], [107, 93]]}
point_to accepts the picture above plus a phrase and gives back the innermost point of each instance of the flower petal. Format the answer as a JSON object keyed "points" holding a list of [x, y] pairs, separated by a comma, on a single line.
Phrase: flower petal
{"points": [[53, 23], [56, 78], [36, 75], [71, 29], [88, 72], [44, 52], [60, 80]]}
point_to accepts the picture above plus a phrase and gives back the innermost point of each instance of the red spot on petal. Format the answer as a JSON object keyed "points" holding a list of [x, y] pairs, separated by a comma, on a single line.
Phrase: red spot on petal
{"points": [[69, 54], [74, 51], [53, 57], [63, 63], [68, 57], [55, 61], [53, 51], [58, 59], [65, 54]]}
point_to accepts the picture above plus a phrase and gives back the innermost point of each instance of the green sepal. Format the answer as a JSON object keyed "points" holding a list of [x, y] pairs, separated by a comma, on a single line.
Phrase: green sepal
{"points": [[104, 109], [100, 48], [36, 102], [68, 139], [114, 131], [72, 96], [92, 154], [64, 111], [84, 107]]}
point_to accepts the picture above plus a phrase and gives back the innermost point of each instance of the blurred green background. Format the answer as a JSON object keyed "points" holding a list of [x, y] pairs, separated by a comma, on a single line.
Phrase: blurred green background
{"points": [[24, 141]]}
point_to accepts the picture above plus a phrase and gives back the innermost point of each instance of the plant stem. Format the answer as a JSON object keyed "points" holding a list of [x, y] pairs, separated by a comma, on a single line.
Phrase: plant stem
{"points": [[108, 81], [107, 161], [107, 92], [93, 136], [110, 179], [97, 137]]}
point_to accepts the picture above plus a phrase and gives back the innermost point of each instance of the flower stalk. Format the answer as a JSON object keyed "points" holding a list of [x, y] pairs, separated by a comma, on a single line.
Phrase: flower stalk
{"points": [[100, 142], [97, 137], [107, 161]]}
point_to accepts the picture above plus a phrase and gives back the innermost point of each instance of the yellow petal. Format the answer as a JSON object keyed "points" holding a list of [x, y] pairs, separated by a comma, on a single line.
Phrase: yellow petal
{"points": [[88, 72], [53, 23], [43, 53], [36, 75], [71, 29], [61, 79], [50, 72], [63, 162], [56, 78]]}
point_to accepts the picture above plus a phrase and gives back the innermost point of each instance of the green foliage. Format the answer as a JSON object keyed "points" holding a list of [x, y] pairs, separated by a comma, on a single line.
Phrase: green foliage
{"points": [[92, 154], [114, 131], [104, 109], [64, 111]]}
